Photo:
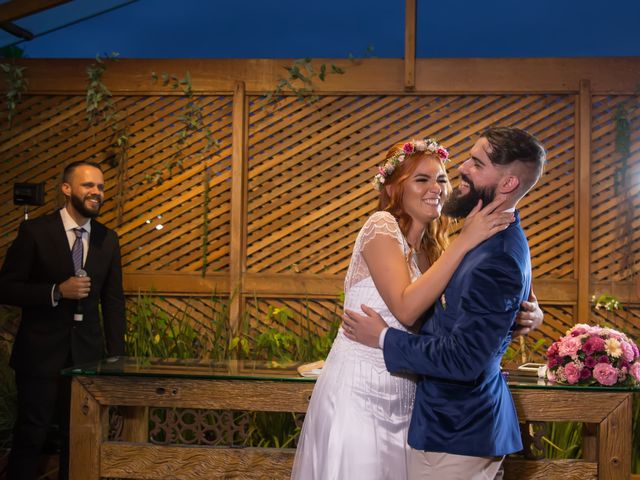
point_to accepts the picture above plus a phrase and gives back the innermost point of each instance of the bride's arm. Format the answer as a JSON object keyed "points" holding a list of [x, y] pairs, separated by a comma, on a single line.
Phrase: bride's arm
{"points": [[390, 274]]}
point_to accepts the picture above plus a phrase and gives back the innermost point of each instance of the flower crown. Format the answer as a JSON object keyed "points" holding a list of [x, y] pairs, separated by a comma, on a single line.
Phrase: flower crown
{"points": [[409, 148]]}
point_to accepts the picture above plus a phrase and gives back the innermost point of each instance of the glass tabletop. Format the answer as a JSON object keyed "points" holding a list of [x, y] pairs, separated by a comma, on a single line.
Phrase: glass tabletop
{"points": [[272, 371], [190, 368]]}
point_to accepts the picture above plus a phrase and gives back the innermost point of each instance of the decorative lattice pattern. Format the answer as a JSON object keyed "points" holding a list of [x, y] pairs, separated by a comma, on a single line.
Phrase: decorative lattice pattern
{"points": [[307, 316], [311, 167], [162, 225], [615, 228]]}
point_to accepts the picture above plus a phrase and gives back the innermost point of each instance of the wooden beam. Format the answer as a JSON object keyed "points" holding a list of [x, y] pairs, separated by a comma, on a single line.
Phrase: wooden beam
{"points": [[583, 201], [16, 31], [369, 76], [16, 9], [239, 173], [410, 45]]}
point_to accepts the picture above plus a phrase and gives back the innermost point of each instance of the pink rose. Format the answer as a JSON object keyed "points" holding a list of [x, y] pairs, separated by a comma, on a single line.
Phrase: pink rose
{"points": [[551, 376], [605, 374], [635, 370], [442, 153], [408, 148], [578, 331], [552, 350], [627, 351], [572, 373], [593, 344], [569, 346], [636, 352]]}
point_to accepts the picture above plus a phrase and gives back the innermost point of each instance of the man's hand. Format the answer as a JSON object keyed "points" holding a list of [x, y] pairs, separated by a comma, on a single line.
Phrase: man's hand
{"points": [[529, 317], [364, 329], [75, 288]]}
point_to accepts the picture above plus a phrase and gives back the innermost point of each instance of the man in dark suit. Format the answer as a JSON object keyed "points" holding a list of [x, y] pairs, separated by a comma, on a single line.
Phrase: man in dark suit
{"points": [[464, 421], [60, 269]]}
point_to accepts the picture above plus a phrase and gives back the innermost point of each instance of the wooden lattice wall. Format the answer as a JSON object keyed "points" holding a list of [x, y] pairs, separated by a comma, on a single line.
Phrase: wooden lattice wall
{"points": [[288, 185]]}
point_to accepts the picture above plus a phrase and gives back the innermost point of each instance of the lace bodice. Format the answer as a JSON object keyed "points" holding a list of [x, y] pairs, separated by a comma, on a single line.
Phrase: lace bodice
{"points": [[380, 223], [358, 285]]}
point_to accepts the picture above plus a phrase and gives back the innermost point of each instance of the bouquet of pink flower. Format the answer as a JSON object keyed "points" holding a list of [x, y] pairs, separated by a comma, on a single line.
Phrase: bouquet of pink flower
{"points": [[593, 355]]}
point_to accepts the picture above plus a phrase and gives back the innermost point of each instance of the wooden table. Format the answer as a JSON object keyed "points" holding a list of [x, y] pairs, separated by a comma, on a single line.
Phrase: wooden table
{"points": [[235, 385]]}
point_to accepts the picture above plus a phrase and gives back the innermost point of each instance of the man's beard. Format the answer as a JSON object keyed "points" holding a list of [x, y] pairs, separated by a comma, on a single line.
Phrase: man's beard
{"points": [[459, 206], [78, 204]]}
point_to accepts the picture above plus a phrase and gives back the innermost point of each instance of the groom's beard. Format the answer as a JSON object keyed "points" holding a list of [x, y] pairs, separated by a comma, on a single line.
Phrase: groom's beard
{"points": [[459, 205]]}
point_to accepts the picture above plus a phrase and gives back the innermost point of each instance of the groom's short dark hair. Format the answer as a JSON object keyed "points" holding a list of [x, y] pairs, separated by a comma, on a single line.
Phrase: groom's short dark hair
{"points": [[509, 145]]}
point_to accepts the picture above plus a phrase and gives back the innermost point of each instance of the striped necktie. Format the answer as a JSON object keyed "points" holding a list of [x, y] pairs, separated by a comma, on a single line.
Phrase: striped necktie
{"points": [[77, 250]]}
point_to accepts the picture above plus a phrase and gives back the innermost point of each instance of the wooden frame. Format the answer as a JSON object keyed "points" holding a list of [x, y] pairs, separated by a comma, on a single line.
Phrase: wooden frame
{"points": [[92, 456]]}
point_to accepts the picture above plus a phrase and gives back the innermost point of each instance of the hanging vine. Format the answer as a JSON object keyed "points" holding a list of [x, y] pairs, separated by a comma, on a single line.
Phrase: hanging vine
{"points": [[101, 108], [621, 179], [191, 119], [14, 79], [301, 75]]}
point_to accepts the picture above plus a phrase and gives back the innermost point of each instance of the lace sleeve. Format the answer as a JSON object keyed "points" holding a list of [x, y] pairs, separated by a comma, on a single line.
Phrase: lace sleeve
{"points": [[380, 223]]}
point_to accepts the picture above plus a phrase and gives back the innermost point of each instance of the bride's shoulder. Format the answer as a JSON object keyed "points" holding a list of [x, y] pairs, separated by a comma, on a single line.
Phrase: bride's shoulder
{"points": [[381, 222]]}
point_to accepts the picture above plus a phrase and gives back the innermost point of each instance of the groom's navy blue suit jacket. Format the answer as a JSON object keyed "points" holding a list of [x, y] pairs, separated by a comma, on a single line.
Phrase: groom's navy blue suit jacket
{"points": [[463, 405]]}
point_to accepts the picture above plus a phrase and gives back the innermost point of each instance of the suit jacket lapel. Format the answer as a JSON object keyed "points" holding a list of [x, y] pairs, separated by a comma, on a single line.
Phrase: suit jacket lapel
{"points": [[96, 244], [60, 243]]}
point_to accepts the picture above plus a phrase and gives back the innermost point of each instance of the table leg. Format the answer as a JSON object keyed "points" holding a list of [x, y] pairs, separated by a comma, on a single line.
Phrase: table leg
{"points": [[614, 443], [87, 431]]}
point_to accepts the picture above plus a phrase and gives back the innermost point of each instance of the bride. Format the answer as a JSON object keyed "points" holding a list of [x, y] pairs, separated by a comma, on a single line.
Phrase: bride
{"points": [[358, 417]]}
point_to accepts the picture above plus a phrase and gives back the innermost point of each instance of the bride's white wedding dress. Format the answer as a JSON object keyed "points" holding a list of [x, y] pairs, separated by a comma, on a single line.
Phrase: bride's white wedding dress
{"points": [[358, 418]]}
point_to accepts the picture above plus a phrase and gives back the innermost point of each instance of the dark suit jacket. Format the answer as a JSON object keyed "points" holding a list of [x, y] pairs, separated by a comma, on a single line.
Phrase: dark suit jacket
{"points": [[463, 405], [48, 338]]}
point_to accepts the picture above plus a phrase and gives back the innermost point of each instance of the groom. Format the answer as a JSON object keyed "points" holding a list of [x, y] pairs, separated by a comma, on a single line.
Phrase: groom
{"points": [[464, 421]]}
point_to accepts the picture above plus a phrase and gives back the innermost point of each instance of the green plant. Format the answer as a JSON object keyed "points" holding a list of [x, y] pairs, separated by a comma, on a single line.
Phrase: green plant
{"points": [[191, 119], [272, 429], [100, 107], [301, 75], [524, 350], [151, 332], [563, 440], [622, 179], [16, 86], [606, 301]]}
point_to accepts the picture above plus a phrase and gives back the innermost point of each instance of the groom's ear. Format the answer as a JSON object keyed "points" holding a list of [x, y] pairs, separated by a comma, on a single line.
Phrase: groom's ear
{"points": [[508, 184]]}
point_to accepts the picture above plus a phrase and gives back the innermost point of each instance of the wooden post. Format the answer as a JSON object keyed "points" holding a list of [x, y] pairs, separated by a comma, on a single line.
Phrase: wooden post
{"points": [[89, 427], [614, 443], [410, 45], [239, 172], [583, 202], [135, 426]]}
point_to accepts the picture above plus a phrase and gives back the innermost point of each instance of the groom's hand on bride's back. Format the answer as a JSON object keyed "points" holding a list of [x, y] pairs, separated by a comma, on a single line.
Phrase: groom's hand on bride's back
{"points": [[529, 317], [363, 328]]}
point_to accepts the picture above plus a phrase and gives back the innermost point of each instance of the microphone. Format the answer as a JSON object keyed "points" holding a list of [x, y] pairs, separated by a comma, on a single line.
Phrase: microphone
{"points": [[78, 315]]}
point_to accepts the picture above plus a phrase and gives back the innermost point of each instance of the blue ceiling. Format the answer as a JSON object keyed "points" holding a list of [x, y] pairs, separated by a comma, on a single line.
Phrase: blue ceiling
{"points": [[330, 28]]}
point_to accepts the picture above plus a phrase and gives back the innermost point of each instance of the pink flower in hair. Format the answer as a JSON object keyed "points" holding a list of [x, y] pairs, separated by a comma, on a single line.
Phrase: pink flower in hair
{"points": [[442, 153], [408, 148]]}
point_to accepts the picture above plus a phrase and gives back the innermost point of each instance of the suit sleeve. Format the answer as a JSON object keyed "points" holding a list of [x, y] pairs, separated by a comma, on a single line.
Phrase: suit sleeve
{"points": [[112, 302], [489, 304], [16, 288]]}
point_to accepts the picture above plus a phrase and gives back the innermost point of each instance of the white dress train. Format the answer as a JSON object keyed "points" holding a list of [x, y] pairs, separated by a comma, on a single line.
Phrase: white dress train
{"points": [[358, 418]]}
